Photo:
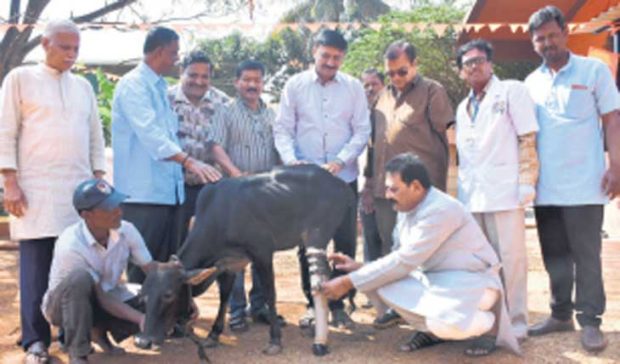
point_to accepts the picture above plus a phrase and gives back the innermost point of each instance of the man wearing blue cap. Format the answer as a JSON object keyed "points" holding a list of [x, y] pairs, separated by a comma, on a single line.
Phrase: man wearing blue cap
{"points": [[85, 296]]}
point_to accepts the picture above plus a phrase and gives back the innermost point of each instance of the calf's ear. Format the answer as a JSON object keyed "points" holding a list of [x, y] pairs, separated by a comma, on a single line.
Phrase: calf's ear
{"points": [[197, 276]]}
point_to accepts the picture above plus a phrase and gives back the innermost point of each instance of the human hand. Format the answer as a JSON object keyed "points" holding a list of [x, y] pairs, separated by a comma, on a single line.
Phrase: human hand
{"points": [[343, 262], [611, 182], [367, 201], [15, 202], [527, 194], [333, 167], [205, 172], [337, 287]]}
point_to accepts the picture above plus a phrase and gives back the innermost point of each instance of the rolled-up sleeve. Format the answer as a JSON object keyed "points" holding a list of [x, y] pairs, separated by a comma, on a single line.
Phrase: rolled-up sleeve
{"points": [[360, 125], [220, 127], [136, 106], [284, 126], [10, 119]]}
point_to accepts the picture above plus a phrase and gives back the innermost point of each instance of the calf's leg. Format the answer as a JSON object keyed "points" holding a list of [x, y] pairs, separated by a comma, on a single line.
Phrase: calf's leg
{"points": [[264, 268], [225, 281]]}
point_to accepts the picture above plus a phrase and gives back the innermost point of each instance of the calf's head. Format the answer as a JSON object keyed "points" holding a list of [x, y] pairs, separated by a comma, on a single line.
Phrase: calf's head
{"points": [[166, 293]]}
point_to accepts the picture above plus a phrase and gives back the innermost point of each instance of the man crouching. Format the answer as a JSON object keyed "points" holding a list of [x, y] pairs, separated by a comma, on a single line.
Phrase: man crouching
{"points": [[86, 298], [441, 268]]}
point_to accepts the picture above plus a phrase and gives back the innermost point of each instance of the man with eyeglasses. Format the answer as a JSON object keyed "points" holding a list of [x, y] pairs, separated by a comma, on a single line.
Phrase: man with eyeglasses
{"points": [[498, 166], [577, 104], [410, 115], [323, 119]]}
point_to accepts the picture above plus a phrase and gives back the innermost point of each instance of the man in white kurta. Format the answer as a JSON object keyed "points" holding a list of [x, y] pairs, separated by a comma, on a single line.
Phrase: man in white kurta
{"points": [[442, 267], [51, 139], [498, 166]]}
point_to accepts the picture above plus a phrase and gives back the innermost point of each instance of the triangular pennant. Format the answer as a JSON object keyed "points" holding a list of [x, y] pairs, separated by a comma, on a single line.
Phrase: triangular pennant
{"points": [[409, 27], [457, 28], [421, 26], [515, 27], [494, 26], [439, 29], [478, 26], [573, 26], [375, 26]]}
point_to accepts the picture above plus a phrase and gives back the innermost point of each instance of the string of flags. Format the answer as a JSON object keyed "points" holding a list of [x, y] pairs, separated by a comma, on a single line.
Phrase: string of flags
{"points": [[439, 29]]}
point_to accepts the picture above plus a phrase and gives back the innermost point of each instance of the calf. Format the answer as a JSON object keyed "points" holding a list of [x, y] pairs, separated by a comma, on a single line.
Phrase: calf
{"points": [[248, 219]]}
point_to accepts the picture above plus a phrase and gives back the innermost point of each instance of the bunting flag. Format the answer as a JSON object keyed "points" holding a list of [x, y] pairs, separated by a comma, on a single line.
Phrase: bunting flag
{"points": [[439, 29]]}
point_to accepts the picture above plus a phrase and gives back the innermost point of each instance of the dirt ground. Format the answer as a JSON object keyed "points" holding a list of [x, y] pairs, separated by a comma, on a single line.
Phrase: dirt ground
{"points": [[361, 345]]}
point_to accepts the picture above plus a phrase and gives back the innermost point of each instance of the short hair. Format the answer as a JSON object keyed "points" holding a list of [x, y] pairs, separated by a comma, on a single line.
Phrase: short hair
{"points": [[479, 44], [545, 15], [331, 38], [375, 72], [399, 47], [60, 26], [196, 56], [410, 168], [249, 65], [159, 37]]}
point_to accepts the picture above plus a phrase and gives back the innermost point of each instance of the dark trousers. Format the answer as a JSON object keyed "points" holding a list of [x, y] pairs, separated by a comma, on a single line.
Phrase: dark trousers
{"points": [[73, 306], [35, 260], [188, 208], [372, 239], [160, 226], [570, 240], [237, 300], [345, 241]]}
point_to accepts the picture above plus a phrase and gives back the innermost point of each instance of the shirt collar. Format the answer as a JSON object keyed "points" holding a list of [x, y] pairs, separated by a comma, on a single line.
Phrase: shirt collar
{"points": [[315, 76], [410, 86], [240, 103], [179, 95], [486, 88], [571, 61], [149, 74], [89, 239], [52, 71]]}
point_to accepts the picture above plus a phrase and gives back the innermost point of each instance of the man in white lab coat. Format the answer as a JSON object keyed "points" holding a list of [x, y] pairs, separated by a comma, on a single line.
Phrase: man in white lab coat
{"points": [[498, 166]]}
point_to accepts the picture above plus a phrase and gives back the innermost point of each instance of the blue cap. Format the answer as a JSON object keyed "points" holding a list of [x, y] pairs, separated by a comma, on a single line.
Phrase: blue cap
{"points": [[96, 193]]}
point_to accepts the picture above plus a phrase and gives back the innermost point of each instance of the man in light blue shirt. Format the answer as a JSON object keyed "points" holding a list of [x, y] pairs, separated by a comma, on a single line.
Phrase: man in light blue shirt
{"points": [[577, 105], [148, 159], [324, 119]]}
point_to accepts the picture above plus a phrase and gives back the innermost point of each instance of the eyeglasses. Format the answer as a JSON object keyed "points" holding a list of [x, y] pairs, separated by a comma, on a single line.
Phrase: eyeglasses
{"points": [[400, 72], [476, 61]]}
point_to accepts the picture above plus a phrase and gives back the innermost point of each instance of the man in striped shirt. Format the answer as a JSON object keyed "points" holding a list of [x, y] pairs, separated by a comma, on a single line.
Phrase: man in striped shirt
{"points": [[244, 129]]}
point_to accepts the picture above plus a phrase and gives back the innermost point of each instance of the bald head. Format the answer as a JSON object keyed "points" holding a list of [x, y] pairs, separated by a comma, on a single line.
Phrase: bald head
{"points": [[61, 42]]}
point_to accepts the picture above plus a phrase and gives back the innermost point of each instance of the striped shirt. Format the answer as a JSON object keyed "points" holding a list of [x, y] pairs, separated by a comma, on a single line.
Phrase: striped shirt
{"points": [[246, 135]]}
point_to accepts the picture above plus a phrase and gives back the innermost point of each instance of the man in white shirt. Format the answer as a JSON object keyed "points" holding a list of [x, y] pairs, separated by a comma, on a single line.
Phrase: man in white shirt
{"points": [[498, 166], [51, 139], [85, 291], [324, 119], [441, 268]]}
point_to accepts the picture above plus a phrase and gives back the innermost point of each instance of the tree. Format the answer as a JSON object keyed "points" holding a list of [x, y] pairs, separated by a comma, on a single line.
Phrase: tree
{"points": [[18, 41], [336, 10]]}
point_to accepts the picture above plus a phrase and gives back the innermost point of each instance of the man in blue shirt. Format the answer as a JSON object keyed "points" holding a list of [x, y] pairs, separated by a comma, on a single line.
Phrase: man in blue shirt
{"points": [[577, 105], [148, 159]]}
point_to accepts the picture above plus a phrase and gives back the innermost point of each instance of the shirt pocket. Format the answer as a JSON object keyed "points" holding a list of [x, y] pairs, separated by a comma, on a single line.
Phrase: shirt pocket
{"points": [[579, 104], [407, 115]]}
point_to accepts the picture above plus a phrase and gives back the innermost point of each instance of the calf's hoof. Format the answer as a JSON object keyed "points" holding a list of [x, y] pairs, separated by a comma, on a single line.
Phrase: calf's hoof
{"points": [[272, 349], [210, 342], [320, 349]]}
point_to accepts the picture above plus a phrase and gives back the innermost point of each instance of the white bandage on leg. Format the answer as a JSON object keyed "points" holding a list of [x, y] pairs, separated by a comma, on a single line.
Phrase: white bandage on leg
{"points": [[319, 273], [481, 323]]}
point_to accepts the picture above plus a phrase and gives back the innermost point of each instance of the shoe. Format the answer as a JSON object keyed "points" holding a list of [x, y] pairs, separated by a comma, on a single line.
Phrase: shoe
{"points": [[481, 346], [37, 354], [307, 320], [550, 325], [592, 339], [390, 318], [341, 319], [238, 324], [419, 340]]}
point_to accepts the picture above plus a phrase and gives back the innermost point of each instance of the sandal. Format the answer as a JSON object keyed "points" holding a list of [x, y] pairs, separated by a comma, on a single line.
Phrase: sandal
{"points": [[481, 346], [420, 340], [37, 354], [238, 324]]}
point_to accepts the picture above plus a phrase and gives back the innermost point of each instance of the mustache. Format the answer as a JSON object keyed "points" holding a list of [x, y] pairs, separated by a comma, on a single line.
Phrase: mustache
{"points": [[329, 67], [251, 89]]}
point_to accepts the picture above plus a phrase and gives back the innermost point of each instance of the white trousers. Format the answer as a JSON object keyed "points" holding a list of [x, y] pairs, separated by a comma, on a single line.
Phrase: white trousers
{"points": [[481, 323], [505, 230]]}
